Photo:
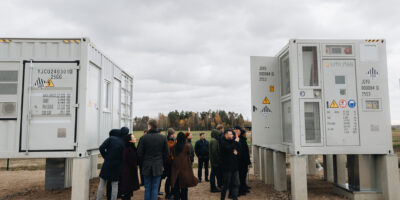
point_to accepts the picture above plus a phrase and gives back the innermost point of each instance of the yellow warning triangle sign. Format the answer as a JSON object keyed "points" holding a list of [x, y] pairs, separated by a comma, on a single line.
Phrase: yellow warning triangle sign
{"points": [[334, 104], [266, 101], [49, 83]]}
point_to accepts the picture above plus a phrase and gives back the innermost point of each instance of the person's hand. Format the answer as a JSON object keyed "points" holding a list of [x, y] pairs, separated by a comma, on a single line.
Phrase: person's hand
{"points": [[237, 139], [235, 152]]}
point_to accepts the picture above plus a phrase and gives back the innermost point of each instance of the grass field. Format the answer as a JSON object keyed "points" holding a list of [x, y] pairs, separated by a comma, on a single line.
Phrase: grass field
{"points": [[396, 137], [195, 135]]}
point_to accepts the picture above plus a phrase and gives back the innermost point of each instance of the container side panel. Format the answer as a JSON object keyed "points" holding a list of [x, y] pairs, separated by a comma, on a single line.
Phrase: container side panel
{"points": [[265, 101], [48, 116], [93, 106], [116, 104]]}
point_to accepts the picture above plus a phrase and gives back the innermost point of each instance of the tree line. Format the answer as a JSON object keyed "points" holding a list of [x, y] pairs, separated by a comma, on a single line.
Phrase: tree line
{"points": [[195, 120]]}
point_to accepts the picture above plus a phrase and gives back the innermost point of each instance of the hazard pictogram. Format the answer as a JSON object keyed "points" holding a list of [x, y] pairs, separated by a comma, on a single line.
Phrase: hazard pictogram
{"points": [[334, 104], [49, 83], [266, 101]]}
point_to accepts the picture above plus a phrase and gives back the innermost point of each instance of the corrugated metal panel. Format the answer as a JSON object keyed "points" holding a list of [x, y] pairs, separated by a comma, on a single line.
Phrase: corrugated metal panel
{"points": [[105, 126], [108, 68], [117, 73], [40, 49], [95, 55]]}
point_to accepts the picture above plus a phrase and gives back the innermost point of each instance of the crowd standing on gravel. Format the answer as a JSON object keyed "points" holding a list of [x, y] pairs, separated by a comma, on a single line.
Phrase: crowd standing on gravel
{"points": [[171, 157]]}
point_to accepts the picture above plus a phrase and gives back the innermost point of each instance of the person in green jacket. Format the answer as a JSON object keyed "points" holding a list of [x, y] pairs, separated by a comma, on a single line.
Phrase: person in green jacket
{"points": [[215, 161]]}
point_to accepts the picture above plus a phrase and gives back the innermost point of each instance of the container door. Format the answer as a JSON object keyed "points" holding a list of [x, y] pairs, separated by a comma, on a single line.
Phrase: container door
{"points": [[341, 106], [116, 103], [49, 106]]}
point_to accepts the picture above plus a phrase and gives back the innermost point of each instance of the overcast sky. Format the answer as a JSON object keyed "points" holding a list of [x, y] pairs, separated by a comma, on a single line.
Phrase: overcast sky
{"points": [[194, 55]]}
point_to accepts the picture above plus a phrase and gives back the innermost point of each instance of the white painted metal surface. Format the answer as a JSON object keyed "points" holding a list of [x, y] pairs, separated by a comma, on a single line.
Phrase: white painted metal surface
{"points": [[56, 97], [329, 97]]}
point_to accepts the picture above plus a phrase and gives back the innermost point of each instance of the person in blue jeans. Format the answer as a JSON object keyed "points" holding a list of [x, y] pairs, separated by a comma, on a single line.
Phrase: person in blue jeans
{"points": [[153, 152]]}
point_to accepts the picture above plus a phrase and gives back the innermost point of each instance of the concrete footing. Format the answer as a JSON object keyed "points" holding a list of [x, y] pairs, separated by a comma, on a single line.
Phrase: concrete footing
{"points": [[369, 176], [262, 165], [340, 170], [93, 166], [269, 166], [328, 162], [311, 166], [256, 161], [80, 178], [298, 177], [279, 162]]}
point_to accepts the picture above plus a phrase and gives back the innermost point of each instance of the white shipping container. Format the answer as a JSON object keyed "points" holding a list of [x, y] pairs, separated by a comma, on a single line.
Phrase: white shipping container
{"points": [[59, 97]]}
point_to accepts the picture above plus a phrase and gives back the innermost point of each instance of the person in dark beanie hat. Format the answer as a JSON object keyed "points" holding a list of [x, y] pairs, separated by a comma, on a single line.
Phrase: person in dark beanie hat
{"points": [[129, 177], [244, 162], [111, 151], [124, 131]]}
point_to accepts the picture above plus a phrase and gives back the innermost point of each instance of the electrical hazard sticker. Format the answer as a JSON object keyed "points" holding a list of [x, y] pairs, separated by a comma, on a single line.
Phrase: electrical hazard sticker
{"points": [[265, 111], [49, 83], [266, 101], [334, 104]]}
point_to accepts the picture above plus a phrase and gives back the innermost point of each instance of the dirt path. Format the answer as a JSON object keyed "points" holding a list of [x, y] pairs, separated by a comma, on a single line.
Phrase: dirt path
{"points": [[30, 185]]}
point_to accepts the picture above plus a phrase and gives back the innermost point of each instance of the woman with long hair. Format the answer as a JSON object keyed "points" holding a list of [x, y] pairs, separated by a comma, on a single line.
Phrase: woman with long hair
{"points": [[129, 178], [182, 176]]}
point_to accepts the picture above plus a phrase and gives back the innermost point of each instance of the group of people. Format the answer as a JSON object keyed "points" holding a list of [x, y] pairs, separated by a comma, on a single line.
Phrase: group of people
{"points": [[171, 157]]}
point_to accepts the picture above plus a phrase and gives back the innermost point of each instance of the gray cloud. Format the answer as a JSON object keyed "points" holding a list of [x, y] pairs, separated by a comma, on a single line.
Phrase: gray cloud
{"points": [[194, 55]]}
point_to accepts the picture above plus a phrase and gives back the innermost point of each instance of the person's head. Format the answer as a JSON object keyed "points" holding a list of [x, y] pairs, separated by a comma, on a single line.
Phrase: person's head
{"points": [[215, 134], [115, 132], [243, 133], [237, 130], [180, 142], [220, 128], [171, 133], [202, 136], [129, 138], [124, 131], [152, 124], [188, 135], [228, 134]]}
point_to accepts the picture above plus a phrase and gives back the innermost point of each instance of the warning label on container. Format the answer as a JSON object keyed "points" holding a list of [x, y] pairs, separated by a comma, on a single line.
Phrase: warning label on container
{"points": [[52, 104], [265, 111]]}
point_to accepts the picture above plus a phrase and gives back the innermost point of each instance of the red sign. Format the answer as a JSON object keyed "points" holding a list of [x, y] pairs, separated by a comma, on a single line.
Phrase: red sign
{"points": [[342, 103]]}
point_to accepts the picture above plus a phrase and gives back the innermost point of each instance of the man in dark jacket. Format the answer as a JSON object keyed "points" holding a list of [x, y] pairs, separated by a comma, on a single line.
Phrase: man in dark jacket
{"points": [[215, 161], [153, 151], [230, 150], [111, 151], [244, 161], [201, 150]]}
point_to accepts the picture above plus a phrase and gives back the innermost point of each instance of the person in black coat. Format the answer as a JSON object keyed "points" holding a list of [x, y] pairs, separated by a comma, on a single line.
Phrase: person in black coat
{"points": [[129, 177], [230, 152], [201, 150], [244, 162], [153, 151], [111, 151], [120, 134]]}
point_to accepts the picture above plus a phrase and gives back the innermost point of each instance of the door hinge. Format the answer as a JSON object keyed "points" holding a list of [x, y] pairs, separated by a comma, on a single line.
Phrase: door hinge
{"points": [[75, 144], [75, 105], [76, 67]]}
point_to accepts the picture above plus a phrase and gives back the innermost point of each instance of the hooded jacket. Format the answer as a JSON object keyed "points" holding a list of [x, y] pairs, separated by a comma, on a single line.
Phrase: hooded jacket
{"points": [[214, 148], [111, 151]]}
